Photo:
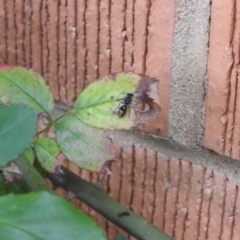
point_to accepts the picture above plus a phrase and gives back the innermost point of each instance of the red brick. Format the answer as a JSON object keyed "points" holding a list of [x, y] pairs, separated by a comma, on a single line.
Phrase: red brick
{"points": [[222, 110], [53, 47], [158, 58], [11, 34], [62, 51], [92, 40], [81, 53], [19, 15], [114, 188], [3, 26], [36, 37], [206, 203], [149, 194], [117, 18], [183, 200], [161, 186], [139, 174], [128, 36], [217, 204], [192, 225], [71, 35], [172, 195], [104, 39], [236, 217], [229, 209], [44, 26]]}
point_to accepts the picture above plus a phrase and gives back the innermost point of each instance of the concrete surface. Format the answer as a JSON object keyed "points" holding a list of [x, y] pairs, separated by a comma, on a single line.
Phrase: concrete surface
{"points": [[189, 68], [196, 155]]}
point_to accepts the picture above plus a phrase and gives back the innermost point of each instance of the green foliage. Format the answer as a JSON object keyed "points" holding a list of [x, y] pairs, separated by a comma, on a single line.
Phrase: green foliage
{"points": [[44, 216], [19, 85], [16, 187], [98, 104], [29, 154], [121, 237], [17, 129], [87, 147], [2, 179], [47, 151]]}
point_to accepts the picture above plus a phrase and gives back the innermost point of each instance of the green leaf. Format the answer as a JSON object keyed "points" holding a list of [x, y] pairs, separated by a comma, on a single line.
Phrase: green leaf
{"points": [[19, 85], [16, 187], [87, 147], [98, 104], [17, 129], [29, 154], [47, 151], [44, 216], [121, 237], [2, 179]]}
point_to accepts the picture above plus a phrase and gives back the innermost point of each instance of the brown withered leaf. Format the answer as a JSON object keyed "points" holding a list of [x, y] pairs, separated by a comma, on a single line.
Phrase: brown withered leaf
{"points": [[146, 105]]}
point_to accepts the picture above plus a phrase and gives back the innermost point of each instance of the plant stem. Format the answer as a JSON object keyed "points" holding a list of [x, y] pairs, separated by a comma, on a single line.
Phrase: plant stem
{"points": [[63, 115], [52, 123], [97, 199], [31, 176], [45, 129]]}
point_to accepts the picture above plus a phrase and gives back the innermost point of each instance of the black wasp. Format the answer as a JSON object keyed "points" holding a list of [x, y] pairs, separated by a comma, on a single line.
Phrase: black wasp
{"points": [[125, 104], [123, 213]]}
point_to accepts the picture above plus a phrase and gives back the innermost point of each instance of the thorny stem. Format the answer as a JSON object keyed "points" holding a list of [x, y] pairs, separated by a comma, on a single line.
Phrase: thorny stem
{"points": [[94, 198], [31, 176], [45, 129], [97, 199], [53, 122], [56, 120]]}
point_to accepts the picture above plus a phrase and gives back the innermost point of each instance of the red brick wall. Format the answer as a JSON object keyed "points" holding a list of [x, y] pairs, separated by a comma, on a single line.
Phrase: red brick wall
{"points": [[222, 103], [184, 189]]}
